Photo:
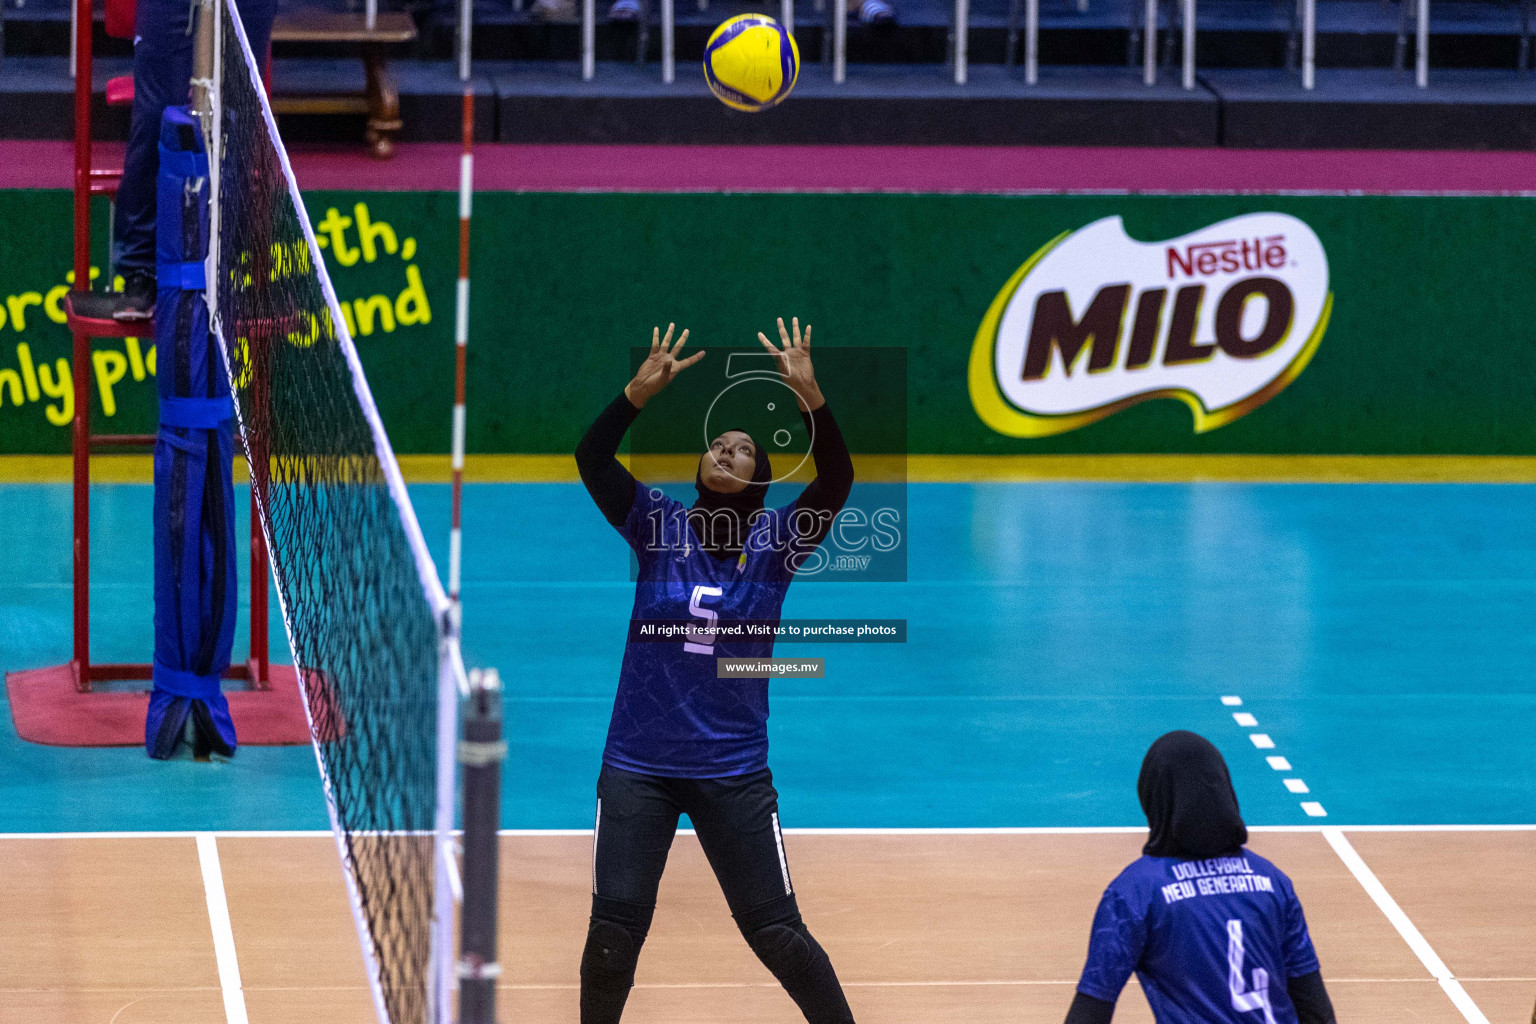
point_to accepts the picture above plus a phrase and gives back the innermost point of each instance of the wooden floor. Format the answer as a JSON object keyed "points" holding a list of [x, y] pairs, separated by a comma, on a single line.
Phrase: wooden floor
{"points": [[922, 928]]}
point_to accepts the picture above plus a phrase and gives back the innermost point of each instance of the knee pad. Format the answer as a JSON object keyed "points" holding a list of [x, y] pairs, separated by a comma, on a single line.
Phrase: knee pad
{"points": [[614, 937], [778, 936]]}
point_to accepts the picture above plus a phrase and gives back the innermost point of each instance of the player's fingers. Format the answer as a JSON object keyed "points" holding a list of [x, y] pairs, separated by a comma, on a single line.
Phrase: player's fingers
{"points": [[655, 339], [690, 360], [766, 343], [681, 341], [807, 342], [783, 334], [667, 340], [795, 323]]}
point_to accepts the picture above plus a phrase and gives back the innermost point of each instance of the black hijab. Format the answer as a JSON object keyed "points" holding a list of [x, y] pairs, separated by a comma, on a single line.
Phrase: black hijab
{"points": [[721, 520], [1187, 795]]}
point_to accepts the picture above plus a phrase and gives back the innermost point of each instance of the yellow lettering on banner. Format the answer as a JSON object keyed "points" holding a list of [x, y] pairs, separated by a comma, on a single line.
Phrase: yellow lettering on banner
{"points": [[149, 360], [17, 304], [365, 310], [11, 378], [242, 362], [62, 389], [111, 365], [2, 316], [305, 340], [334, 229], [368, 232], [53, 304], [28, 374], [411, 307], [135, 358]]}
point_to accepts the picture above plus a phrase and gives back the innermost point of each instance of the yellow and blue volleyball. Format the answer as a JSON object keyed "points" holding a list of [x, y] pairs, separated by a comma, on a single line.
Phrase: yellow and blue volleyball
{"points": [[751, 63]]}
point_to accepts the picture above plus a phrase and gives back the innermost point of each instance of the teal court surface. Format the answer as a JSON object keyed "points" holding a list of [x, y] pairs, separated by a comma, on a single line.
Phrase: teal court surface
{"points": [[1383, 637], [1362, 655]]}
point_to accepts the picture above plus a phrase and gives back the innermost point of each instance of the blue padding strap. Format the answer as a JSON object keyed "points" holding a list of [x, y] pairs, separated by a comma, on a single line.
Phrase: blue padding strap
{"points": [[196, 413], [186, 684], [189, 277], [184, 164]]}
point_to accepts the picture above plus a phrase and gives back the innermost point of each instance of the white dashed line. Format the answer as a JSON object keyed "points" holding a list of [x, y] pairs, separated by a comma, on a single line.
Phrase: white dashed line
{"points": [[1263, 741]]}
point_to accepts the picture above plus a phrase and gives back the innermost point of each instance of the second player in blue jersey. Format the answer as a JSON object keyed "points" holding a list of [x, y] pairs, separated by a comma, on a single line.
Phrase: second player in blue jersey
{"points": [[1213, 931]]}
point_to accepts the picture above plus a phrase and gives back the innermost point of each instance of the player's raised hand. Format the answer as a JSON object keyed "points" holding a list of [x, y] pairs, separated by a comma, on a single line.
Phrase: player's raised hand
{"points": [[659, 367], [794, 360]]}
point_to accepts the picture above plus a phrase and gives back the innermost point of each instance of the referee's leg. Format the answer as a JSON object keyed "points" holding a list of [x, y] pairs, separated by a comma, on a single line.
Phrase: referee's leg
{"points": [[737, 820], [636, 820], [162, 75]]}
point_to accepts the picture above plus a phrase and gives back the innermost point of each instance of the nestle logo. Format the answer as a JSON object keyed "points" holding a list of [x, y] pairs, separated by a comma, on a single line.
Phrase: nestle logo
{"points": [[1207, 258]]}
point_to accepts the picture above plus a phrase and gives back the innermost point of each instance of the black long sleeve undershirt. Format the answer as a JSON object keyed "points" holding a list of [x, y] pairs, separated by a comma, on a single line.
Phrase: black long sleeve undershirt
{"points": [[1307, 993], [1310, 997], [610, 484], [613, 488], [826, 494], [1088, 1010]]}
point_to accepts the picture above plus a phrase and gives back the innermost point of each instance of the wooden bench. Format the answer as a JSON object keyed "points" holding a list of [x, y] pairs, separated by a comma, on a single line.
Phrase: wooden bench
{"points": [[381, 100]]}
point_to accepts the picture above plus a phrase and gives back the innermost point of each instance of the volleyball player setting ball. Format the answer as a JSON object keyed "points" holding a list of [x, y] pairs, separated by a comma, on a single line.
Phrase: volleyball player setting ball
{"points": [[680, 740], [1214, 932]]}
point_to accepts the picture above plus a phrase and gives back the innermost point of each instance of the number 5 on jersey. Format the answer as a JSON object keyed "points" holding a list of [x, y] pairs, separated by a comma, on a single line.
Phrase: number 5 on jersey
{"points": [[702, 640]]}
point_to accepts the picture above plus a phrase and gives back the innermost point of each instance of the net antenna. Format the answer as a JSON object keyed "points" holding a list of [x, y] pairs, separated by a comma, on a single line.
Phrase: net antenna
{"points": [[461, 308], [375, 648]]}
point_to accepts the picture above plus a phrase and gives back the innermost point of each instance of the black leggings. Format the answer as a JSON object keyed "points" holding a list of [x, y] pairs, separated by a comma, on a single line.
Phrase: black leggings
{"points": [[737, 821]]}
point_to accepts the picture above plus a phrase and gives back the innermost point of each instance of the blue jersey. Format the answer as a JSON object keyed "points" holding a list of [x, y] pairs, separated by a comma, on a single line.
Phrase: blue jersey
{"points": [[1212, 941], [671, 715]]}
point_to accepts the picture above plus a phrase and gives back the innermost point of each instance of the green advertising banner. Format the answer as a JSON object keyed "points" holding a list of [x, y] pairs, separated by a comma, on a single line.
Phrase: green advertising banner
{"points": [[1031, 324]]}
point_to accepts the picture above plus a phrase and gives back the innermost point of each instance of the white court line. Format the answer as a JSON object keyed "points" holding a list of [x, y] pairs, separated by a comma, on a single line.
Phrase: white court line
{"points": [[223, 934], [1411, 935], [555, 986], [1037, 830]]}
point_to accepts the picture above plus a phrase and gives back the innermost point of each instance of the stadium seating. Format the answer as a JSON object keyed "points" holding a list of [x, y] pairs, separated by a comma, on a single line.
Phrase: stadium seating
{"points": [[1241, 72]]}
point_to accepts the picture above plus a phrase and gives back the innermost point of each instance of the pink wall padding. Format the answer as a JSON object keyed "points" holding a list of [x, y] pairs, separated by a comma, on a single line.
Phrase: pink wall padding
{"points": [[435, 167]]}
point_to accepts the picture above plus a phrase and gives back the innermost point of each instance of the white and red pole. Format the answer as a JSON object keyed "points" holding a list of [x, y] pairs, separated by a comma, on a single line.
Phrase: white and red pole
{"points": [[461, 315], [449, 967]]}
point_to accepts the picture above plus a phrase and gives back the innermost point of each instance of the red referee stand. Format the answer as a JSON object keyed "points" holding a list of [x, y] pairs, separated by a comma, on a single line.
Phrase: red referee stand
{"points": [[61, 705]]}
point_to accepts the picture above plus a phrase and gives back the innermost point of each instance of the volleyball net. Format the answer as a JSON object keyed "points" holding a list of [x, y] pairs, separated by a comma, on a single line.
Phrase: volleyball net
{"points": [[374, 645]]}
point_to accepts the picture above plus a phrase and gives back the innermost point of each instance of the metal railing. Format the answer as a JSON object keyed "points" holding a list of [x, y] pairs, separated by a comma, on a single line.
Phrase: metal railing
{"points": [[959, 63]]}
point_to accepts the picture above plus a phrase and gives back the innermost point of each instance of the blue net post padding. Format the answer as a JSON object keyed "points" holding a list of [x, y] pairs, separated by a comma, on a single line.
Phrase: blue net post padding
{"points": [[195, 566]]}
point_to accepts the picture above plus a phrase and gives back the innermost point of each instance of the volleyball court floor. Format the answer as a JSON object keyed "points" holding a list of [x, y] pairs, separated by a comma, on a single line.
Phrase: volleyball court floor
{"points": [[956, 803]]}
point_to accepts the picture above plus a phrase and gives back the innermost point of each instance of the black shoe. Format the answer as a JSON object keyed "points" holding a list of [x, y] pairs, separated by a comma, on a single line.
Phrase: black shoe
{"points": [[137, 299]]}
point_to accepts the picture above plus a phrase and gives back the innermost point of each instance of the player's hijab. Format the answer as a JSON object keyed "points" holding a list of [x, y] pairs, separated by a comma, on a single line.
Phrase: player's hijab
{"points": [[721, 520], [1187, 795]]}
